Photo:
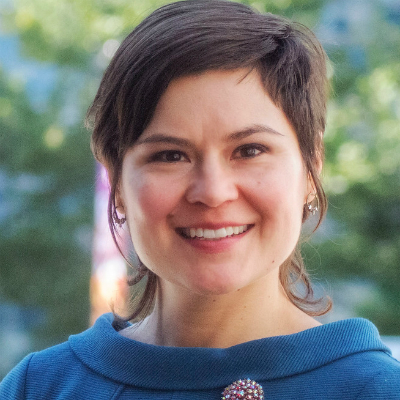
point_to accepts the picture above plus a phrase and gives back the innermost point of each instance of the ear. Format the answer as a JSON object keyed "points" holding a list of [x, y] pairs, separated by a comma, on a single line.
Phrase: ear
{"points": [[119, 203], [310, 188], [119, 200], [318, 164], [319, 156]]}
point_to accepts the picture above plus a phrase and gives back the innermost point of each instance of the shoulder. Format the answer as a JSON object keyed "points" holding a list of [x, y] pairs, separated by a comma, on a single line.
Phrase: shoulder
{"points": [[373, 362], [372, 374], [59, 372], [349, 360], [384, 384], [38, 372], [34, 372], [49, 363], [13, 385]]}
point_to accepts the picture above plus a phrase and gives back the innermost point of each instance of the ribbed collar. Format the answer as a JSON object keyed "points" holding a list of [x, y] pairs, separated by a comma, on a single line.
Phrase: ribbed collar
{"points": [[108, 353]]}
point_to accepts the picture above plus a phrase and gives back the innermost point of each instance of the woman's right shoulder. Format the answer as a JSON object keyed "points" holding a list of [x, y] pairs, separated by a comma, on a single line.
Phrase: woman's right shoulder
{"points": [[58, 372], [36, 371], [13, 385], [67, 370]]}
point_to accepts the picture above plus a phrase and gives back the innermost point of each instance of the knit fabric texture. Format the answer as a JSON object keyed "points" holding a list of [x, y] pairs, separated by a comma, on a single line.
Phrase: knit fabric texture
{"points": [[341, 360]]}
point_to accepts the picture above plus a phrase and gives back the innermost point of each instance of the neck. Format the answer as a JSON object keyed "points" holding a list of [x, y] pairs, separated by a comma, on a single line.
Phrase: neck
{"points": [[183, 319]]}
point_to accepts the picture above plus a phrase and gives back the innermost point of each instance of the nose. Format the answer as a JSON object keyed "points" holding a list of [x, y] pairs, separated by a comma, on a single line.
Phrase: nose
{"points": [[213, 184]]}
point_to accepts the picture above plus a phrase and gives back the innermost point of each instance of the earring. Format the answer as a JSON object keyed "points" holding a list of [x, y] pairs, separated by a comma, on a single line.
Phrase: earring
{"points": [[119, 221], [312, 208]]}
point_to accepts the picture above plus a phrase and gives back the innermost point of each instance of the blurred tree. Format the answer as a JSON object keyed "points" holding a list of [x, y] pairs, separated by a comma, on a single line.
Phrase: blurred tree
{"points": [[47, 195], [362, 172], [45, 237]]}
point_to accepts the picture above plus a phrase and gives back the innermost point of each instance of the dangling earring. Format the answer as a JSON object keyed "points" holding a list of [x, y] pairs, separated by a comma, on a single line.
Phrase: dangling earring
{"points": [[313, 205], [119, 221]]}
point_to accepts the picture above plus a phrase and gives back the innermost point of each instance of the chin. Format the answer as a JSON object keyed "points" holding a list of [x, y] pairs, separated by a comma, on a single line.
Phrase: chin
{"points": [[215, 287]]}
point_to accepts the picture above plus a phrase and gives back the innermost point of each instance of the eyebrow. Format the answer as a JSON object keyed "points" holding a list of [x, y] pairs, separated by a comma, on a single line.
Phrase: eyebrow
{"points": [[242, 134], [251, 130], [162, 138]]}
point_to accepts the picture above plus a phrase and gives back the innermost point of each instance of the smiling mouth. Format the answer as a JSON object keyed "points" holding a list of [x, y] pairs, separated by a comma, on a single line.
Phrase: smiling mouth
{"points": [[213, 234]]}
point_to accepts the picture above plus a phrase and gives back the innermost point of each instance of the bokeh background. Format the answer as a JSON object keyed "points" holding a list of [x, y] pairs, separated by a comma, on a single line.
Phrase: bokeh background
{"points": [[52, 55]]}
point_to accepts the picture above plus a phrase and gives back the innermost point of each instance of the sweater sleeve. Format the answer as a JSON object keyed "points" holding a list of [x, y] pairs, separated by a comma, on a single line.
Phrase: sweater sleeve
{"points": [[12, 387], [385, 386]]}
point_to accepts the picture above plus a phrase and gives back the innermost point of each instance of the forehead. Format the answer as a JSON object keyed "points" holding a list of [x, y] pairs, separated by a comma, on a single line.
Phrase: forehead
{"points": [[216, 101], [213, 85]]}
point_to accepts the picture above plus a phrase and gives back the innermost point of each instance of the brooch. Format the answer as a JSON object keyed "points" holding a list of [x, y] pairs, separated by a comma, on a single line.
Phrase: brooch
{"points": [[243, 389]]}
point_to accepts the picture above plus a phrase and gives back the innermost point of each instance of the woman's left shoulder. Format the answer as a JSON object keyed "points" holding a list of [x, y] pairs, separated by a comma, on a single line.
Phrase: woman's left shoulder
{"points": [[385, 383], [368, 361]]}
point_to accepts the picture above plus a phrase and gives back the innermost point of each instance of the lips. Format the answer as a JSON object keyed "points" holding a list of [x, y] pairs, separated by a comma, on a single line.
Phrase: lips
{"points": [[210, 234]]}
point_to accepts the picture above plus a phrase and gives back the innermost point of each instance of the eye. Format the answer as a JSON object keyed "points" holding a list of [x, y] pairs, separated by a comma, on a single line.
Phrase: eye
{"points": [[249, 151], [168, 156]]}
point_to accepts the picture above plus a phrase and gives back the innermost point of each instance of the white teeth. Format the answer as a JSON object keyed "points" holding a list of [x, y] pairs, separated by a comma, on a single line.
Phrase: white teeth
{"points": [[209, 234], [229, 231], [215, 234], [199, 232], [220, 233]]}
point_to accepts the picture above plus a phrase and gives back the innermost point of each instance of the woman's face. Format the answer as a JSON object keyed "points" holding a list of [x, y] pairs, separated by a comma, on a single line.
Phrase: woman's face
{"points": [[214, 188]]}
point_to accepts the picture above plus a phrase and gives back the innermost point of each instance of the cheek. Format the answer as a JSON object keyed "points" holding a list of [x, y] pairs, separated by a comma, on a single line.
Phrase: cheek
{"points": [[274, 189], [150, 199]]}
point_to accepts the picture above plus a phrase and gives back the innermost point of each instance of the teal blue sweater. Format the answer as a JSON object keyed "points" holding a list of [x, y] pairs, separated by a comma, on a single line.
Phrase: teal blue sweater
{"points": [[342, 360]]}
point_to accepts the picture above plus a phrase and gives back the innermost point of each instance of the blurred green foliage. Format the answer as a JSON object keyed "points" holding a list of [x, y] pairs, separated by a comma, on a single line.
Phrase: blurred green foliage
{"points": [[362, 171], [47, 174], [45, 240]]}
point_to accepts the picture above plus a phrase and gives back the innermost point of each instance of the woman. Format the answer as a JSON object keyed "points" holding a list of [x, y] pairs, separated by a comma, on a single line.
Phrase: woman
{"points": [[209, 121]]}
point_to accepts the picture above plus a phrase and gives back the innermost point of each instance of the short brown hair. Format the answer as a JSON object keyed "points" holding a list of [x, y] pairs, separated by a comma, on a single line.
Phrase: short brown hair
{"points": [[190, 37]]}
